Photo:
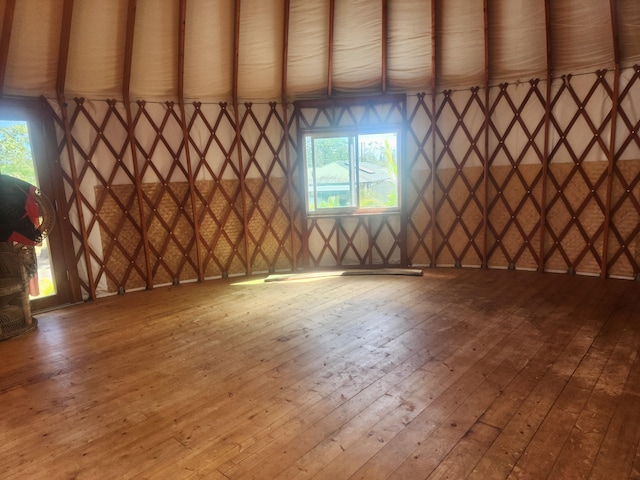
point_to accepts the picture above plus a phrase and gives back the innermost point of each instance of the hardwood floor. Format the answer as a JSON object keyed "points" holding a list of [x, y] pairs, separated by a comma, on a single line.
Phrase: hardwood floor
{"points": [[456, 374]]}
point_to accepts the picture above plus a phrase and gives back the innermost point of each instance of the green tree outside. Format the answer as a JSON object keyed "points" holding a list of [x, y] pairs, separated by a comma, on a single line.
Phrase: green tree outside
{"points": [[15, 152]]}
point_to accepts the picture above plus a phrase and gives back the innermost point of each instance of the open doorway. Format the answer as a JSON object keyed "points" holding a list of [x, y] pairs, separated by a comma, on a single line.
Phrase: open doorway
{"points": [[27, 152]]}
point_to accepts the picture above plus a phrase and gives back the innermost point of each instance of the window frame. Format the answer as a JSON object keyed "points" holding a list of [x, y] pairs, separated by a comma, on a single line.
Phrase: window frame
{"points": [[353, 131]]}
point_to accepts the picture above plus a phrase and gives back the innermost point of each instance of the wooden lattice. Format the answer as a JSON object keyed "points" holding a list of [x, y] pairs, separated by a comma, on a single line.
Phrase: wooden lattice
{"points": [[624, 228], [577, 174], [167, 203], [459, 177], [516, 155], [265, 178], [218, 191]]}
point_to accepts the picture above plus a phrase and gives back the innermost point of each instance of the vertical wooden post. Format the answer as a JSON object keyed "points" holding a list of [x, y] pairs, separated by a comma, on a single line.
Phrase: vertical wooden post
{"points": [[285, 119], [126, 83], [243, 187], [611, 157], [434, 83], [545, 155], [185, 134], [7, 24], [63, 57], [485, 180]]}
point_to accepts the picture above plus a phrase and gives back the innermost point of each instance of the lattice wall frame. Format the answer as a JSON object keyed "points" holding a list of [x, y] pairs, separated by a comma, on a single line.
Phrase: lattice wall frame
{"points": [[515, 174], [443, 186], [459, 178], [577, 173], [624, 238]]}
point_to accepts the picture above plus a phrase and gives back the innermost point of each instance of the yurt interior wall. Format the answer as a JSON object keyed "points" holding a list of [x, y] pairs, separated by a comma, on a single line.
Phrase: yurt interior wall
{"points": [[177, 127]]}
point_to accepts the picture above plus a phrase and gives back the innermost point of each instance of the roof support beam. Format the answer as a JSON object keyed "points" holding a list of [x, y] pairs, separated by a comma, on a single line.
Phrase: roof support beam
{"points": [[7, 24], [243, 187], [126, 84], [611, 157], [182, 18], [332, 10], [385, 41]]}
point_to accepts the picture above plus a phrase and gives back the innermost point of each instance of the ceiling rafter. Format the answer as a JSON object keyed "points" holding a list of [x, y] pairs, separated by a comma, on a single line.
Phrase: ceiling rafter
{"points": [[7, 25]]}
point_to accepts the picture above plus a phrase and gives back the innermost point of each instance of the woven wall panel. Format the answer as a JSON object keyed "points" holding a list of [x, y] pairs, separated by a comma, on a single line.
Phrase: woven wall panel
{"points": [[123, 254]]}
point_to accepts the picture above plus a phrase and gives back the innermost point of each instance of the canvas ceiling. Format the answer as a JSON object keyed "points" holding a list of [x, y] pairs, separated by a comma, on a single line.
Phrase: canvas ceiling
{"points": [[356, 59]]}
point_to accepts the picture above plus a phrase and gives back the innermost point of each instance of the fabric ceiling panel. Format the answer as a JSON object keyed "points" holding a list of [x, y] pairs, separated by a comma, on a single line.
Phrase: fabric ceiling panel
{"points": [[409, 52], [154, 69], [308, 53], [460, 43], [629, 31], [96, 49], [581, 36], [357, 60], [208, 62], [33, 51], [260, 56], [517, 40]]}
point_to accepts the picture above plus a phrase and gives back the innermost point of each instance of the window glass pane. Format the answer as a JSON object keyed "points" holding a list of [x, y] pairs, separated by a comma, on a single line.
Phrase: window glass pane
{"points": [[330, 175], [378, 170], [16, 160], [351, 172]]}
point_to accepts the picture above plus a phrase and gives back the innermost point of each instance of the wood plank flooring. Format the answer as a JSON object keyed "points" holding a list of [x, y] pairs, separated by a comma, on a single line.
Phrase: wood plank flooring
{"points": [[457, 374]]}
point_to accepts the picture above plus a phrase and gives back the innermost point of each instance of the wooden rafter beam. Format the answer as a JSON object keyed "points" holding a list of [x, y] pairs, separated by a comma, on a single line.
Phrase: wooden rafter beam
{"points": [[7, 25], [65, 38], [332, 9], [385, 42]]}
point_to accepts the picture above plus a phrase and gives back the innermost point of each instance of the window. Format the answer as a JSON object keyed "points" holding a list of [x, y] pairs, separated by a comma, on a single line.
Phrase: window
{"points": [[351, 172]]}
